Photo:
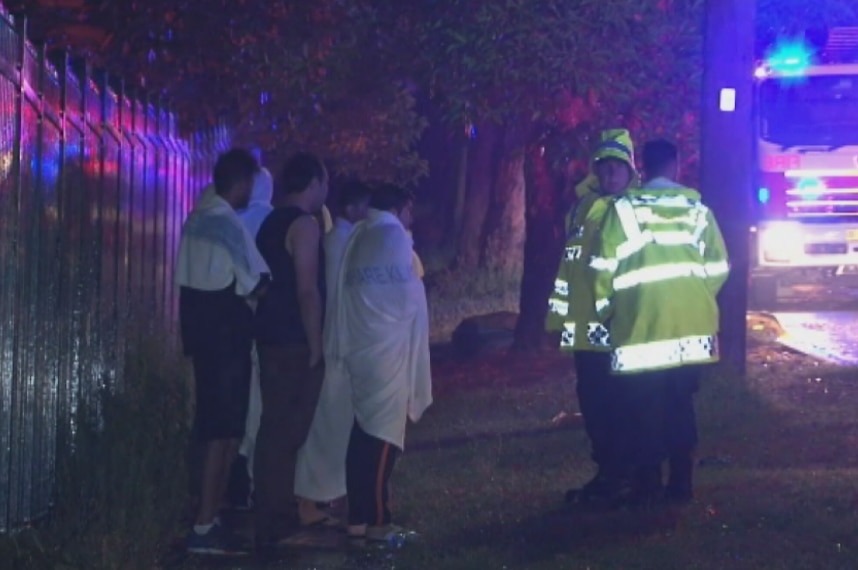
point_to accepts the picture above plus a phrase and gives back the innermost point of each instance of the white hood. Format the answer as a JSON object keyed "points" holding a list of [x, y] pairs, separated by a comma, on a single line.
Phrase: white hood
{"points": [[260, 202]]}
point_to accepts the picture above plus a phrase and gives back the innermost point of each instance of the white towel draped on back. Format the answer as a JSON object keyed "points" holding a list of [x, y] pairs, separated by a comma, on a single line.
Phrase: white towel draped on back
{"points": [[216, 250], [382, 329], [320, 474]]}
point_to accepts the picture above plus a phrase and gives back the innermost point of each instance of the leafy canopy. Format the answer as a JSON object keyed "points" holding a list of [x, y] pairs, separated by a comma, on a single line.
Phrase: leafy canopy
{"points": [[342, 77]]}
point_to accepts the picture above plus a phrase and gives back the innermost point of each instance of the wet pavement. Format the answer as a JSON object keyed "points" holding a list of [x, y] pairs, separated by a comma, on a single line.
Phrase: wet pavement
{"points": [[820, 318], [828, 335]]}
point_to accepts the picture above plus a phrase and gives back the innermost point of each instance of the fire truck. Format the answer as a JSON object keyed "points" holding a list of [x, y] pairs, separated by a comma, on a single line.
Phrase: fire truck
{"points": [[806, 207]]}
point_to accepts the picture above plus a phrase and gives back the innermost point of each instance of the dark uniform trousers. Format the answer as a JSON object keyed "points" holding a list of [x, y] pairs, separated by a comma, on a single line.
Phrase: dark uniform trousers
{"points": [[598, 399], [658, 417]]}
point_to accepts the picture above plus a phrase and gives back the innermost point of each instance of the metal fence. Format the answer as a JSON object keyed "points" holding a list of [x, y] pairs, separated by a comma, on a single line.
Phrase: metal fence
{"points": [[94, 186]]}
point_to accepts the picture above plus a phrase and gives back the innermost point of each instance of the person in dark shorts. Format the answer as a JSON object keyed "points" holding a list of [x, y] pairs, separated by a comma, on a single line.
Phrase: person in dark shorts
{"points": [[289, 340], [218, 270]]}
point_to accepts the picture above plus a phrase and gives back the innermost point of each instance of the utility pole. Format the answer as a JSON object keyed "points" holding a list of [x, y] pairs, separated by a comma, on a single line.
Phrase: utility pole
{"points": [[727, 152]]}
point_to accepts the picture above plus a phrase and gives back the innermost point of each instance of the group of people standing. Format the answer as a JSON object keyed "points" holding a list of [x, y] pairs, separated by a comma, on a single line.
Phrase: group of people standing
{"points": [[323, 326], [635, 302], [315, 332]]}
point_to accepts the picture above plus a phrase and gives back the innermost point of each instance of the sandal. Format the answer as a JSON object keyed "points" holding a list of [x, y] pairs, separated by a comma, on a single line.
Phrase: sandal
{"points": [[391, 535], [324, 523]]}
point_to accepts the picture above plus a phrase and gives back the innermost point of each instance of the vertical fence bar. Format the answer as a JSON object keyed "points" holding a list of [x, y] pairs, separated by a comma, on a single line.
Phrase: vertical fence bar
{"points": [[177, 217], [67, 265], [163, 203], [102, 299], [109, 199], [43, 293], [50, 318], [166, 209], [88, 369], [160, 195], [150, 164], [169, 201], [77, 248], [126, 201], [141, 300], [55, 319]]}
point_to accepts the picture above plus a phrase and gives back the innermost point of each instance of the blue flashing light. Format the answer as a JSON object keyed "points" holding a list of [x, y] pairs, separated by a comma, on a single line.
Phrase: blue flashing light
{"points": [[791, 58], [764, 195]]}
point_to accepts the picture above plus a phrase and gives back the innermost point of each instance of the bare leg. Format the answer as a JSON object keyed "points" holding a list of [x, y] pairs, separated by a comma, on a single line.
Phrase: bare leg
{"points": [[310, 514], [218, 460]]}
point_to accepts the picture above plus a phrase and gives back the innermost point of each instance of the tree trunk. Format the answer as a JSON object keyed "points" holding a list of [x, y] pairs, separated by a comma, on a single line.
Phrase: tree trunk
{"points": [[542, 248], [481, 170], [461, 194], [505, 225]]}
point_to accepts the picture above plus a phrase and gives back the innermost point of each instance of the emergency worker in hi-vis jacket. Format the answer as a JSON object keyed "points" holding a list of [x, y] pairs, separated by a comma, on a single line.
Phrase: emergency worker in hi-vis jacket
{"points": [[660, 261], [572, 310]]}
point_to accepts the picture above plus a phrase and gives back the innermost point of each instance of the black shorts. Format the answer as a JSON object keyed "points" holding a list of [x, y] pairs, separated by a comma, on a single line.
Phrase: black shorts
{"points": [[222, 377]]}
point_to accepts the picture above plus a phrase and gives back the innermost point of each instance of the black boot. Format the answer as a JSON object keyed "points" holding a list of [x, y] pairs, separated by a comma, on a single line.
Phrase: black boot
{"points": [[680, 486], [598, 488], [647, 489]]}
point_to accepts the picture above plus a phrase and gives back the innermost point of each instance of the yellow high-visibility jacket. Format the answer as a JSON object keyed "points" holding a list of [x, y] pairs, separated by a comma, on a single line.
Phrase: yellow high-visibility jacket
{"points": [[660, 260], [571, 306]]}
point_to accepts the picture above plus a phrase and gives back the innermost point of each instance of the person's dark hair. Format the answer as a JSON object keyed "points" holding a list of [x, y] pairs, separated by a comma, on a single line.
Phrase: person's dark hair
{"points": [[389, 197], [352, 192], [299, 172], [658, 155], [232, 167]]}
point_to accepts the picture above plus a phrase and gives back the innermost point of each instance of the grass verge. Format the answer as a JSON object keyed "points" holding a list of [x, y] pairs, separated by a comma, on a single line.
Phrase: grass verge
{"points": [[485, 473]]}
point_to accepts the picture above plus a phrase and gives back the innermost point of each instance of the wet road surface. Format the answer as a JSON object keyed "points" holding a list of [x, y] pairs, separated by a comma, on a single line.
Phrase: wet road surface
{"points": [[820, 318]]}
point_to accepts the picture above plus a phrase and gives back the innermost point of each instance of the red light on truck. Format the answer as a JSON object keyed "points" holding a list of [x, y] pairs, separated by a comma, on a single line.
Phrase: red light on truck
{"points": [[781, 162]]}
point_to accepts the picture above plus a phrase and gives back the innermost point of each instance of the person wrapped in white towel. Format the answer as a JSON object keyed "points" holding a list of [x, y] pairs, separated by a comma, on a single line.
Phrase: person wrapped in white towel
{"points": [[382, 344]]}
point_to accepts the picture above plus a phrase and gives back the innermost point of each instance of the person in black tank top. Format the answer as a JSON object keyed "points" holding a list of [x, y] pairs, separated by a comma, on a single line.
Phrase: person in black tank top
{"points": [[288, 331], [279, 319]]}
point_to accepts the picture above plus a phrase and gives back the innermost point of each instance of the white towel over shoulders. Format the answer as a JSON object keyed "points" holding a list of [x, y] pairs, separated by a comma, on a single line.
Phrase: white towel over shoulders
{"points": [[382, 329]]}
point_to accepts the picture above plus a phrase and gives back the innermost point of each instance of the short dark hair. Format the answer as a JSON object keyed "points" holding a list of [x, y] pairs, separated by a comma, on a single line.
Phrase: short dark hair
{"points": [[352, 192], [234, 166], [389, 197], [299, 172], [658, 155]]}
